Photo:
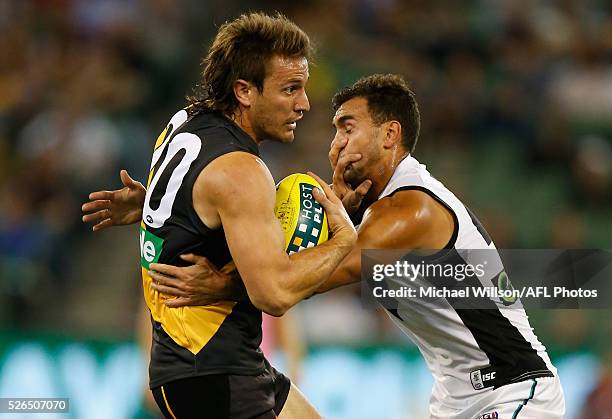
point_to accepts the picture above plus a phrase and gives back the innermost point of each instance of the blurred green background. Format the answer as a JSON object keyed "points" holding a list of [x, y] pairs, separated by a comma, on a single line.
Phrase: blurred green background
{"points": [[516, 107]]}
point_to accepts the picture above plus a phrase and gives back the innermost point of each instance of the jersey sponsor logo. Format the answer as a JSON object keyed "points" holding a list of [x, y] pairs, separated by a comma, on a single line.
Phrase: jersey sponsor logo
{"points": [[150, 248], [310, 223], [490, 415]]}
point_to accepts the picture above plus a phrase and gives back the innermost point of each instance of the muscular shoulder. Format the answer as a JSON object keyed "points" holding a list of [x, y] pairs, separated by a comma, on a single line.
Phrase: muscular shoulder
{"points": [[234, 178], [410, 202], [409, 218], [411, 206]]}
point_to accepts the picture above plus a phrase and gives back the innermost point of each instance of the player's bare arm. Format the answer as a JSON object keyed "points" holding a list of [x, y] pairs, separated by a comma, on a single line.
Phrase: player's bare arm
{"points": [[200, 283], [274, 280], [406, 220]]}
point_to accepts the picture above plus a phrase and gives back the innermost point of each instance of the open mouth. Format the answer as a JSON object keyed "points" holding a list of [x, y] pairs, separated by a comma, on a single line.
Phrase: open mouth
{"points": [[293, 123]]}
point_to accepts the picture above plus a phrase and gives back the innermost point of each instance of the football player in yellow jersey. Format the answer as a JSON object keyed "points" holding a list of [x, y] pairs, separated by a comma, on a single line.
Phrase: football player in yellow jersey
{"points": [[403, 207], [208, 193]]}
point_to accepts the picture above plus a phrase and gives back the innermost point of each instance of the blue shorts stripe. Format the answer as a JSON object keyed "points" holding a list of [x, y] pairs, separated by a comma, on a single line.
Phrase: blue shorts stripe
{"points": [[531, 394]]}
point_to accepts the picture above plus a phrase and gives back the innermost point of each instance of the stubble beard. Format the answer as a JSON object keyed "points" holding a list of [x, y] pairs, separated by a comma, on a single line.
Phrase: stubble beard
{"points": [[352, 177]]}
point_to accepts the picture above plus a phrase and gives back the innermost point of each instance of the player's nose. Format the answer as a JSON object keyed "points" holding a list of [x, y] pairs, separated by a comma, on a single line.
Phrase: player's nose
{"points": [[340, 138], [302, 104]]}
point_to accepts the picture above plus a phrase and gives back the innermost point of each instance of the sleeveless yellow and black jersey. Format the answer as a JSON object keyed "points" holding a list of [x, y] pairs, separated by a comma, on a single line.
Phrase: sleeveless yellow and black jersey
{"points": [[223, 338]]}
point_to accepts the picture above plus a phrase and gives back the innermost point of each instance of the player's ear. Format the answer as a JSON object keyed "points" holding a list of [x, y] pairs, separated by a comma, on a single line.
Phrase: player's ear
{"points": [[243, 91], [392, 133]]}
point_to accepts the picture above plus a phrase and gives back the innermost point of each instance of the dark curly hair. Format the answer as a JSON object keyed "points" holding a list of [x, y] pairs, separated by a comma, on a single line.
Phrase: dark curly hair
{"points": [[389, 98], [241, 50]]}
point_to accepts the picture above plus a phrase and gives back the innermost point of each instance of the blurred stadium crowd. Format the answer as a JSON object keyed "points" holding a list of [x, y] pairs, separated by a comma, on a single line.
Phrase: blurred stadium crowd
{"points": [[516, 106]]}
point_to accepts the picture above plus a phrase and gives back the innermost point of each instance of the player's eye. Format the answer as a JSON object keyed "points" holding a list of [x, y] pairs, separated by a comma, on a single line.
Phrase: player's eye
{"points": [[289, 90]]}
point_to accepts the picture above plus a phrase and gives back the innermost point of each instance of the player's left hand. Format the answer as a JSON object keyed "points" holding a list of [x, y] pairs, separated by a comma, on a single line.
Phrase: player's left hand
{"points": [[195, 285], [113, 208]]}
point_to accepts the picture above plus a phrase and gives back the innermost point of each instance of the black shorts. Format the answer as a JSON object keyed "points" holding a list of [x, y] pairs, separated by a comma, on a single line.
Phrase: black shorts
{"points": [[223, 396]]}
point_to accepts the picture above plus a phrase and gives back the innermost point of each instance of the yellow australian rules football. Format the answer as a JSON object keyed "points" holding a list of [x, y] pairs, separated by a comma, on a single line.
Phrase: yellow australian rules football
{"points": [[303, 219]]}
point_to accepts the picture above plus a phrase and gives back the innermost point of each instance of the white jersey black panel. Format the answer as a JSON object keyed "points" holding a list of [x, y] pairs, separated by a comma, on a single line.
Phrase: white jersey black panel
{"points": [[462, 347]]}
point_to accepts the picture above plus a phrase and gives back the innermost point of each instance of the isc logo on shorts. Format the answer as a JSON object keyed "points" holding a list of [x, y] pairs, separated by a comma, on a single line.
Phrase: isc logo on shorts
{"points": [[490, 415], [479, 379]]}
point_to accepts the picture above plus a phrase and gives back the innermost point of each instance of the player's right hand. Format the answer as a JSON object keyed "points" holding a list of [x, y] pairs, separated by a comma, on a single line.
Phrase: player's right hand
{"points": [[339, 222], [335, 148], [351, 198], [119, 207], [199, 284]]}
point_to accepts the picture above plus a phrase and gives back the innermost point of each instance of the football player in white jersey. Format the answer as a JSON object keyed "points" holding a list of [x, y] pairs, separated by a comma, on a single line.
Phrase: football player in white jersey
{"points": [[486, 363]]}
